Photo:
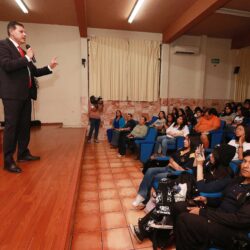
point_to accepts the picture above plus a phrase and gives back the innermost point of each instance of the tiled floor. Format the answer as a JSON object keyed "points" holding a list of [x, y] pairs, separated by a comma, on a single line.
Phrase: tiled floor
{"points": [[104, 211]]}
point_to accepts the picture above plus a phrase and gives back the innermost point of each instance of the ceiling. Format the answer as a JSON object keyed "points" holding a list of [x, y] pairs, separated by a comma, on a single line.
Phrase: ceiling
{"points": [[170, 17]]}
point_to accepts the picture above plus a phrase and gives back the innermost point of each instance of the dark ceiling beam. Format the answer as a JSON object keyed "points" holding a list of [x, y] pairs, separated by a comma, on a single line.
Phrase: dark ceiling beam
{"points": [[81, 17], [193, 15], [241, 42]]}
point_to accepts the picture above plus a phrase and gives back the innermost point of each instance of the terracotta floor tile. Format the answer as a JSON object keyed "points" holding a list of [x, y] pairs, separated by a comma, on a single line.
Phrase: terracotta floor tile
{"points": [[123, 183], [137, 182], [136, 175], [88, 207], [120, 176], [113, 220], [88, 196], [88, 161], [117, 239], [104, 177], [88, 186], [132, 216], [104, 170], [131, 169], [129, 163], [116, 164], [87, 241], [145, 244], [127, 203], [87, 223], [127, 192], [89, 179], [102, 166], [88, 166], [89, 172], [105, 194], [117, 170], [106, 184], [110, 205]]}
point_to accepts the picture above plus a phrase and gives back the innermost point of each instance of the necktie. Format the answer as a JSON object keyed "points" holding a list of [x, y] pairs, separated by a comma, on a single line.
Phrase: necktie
{"points": [[23, 55], [21, 51]]}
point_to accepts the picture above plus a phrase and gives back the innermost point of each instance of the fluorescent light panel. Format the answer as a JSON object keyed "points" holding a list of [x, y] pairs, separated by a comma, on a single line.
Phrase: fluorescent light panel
{"points": [[135, 10], [22, 6], [233, 12]]}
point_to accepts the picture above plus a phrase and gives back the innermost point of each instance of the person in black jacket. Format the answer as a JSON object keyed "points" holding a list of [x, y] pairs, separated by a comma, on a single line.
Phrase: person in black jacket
{"points": [[17, 88], [222, 226]]}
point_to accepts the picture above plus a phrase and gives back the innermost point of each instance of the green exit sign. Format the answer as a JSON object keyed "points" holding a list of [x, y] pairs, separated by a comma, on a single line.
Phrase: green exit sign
{"points": [[215, 60]]}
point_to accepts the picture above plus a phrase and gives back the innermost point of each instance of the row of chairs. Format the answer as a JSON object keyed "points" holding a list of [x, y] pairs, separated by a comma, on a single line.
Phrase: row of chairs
{"points": [[146, 145]]}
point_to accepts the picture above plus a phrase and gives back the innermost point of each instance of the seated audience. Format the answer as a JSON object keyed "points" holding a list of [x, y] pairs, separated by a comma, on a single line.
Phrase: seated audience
{"points": [[218, 169], [180, 160], [117, 123], [160, 123], [175, 113], [178, 128], [139, 131], [206, 124], [223, 226], [242, 141], [191, 121], [169, 120], [129, 126], [246, 105], [198, 113], [238, 119], [228, 115]]}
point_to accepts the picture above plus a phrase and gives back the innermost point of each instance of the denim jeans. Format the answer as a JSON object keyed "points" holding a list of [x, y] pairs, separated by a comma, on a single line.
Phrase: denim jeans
{"points": [[94, 125], [149, 177], [163, 141]]}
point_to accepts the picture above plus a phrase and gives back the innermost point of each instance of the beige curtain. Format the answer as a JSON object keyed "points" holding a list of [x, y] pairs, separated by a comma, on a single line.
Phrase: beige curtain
{"points": [[124, 70], [144, 70], [243, 78], [108, 68]]}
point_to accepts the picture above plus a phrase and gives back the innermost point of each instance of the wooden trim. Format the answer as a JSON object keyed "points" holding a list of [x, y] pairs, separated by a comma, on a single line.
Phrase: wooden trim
{"points": [[80, 6], [196, 13], [52, 124]]}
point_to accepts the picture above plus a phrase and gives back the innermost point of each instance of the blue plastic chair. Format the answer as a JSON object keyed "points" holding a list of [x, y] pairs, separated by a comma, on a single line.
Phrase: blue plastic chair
{"points": [[153, 119], [216, 137], [146, 145]]}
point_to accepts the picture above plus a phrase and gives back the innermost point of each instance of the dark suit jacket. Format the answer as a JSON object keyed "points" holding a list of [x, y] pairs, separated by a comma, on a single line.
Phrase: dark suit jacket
{"points": [[14, 74]]}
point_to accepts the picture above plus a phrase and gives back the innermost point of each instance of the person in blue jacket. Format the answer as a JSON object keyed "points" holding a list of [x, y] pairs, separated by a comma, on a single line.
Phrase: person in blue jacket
{"points": [[118, 122]]}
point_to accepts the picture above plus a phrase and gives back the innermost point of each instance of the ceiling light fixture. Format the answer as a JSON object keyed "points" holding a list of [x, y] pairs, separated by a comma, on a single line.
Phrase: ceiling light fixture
{"points": [[233, 12], [22, 6], [135, 10]]}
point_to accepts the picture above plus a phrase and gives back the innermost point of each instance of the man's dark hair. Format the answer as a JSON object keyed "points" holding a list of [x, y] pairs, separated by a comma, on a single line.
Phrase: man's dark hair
{"points": [[12, 26], [246, 153]]}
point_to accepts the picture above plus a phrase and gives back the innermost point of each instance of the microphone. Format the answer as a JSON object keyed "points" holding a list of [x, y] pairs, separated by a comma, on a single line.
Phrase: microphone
{"points": [[33, 58]]}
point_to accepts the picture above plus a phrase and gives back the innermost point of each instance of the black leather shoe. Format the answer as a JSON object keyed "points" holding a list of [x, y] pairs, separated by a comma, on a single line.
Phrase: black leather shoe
{"points": [[28, 157], [13, 168]]}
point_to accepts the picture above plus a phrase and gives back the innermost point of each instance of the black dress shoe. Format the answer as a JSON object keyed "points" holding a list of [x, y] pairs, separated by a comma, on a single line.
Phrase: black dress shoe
{"points": [[28, 157], [13, 168]]}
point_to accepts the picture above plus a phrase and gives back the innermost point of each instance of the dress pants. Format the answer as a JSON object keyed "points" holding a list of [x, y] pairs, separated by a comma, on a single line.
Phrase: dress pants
{"points": [[17, 115]]}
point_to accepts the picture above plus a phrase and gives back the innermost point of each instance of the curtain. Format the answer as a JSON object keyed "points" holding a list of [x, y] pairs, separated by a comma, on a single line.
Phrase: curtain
{"points": [[124, 70], [243, 78], [144, 70], [108, 59]]}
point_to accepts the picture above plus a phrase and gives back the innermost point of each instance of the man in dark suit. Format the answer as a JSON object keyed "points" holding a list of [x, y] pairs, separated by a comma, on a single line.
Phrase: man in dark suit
{"points": [[17, 88]]}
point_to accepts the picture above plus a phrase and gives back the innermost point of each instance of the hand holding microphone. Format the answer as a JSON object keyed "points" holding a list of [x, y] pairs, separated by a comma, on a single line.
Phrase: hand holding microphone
{"points": [[30, 53]]}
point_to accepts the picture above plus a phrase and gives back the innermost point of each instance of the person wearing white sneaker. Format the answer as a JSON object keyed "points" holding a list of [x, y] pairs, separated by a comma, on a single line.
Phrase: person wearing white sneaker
{"points": [[137, 203]]}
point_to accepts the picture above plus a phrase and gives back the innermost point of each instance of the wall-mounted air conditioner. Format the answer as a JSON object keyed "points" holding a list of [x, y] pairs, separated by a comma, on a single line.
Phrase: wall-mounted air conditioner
{"points": [[186, 50]]}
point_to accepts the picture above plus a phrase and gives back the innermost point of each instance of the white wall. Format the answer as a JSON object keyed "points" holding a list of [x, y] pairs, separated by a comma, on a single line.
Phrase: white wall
{"points": [[218, 76], [59, 95], [193, 76]]}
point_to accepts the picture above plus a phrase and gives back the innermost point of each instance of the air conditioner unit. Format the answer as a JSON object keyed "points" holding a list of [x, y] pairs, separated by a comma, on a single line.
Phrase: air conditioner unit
{"points": [[187, 50]]}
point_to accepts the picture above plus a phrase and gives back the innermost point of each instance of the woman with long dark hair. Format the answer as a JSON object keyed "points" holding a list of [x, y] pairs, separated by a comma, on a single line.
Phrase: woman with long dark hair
{"points": [[178, 128], [241, 142]]}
